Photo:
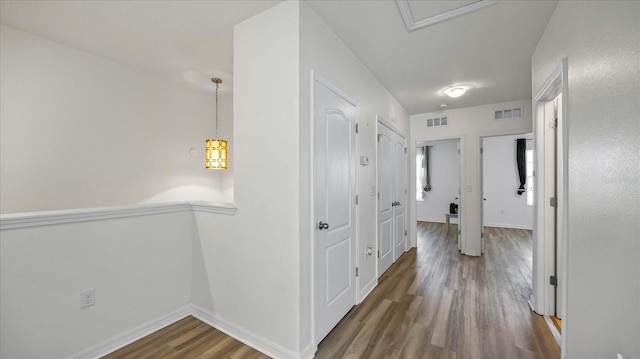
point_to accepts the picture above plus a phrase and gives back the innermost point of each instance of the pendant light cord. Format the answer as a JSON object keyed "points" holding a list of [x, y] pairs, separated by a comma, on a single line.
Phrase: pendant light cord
{"points": [[217, 84]]}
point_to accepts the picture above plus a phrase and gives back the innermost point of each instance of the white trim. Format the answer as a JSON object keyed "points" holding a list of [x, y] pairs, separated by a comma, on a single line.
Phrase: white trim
{"points": [[207, 207], [312, 205], [507, 225], [308, 352], [553, 329], [128, 337], [257, 342], [369, 287], [36, 219], [411, 24]]}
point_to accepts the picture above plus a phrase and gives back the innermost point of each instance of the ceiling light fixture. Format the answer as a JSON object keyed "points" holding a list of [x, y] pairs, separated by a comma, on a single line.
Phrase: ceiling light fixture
{"points": [[216, 149], [455, 91]]}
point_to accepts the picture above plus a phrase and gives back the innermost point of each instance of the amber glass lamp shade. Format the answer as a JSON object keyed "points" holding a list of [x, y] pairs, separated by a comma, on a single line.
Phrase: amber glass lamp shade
{"points": [[216, 154]]}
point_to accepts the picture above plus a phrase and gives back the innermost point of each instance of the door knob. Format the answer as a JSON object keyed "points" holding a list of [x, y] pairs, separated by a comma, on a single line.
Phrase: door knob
{"points": [[322, 225]]}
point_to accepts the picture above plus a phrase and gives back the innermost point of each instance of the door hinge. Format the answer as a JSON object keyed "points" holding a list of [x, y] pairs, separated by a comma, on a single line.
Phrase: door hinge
{"points": [[405, 150], [481, 150], [356, 128], [378, 195], [356, 271], [378, 253], [356, 199], [405, 191], [481, 234], [553, 280], [405, 232], [379, 135], [553, 123], [458, 151], [553, 202]]}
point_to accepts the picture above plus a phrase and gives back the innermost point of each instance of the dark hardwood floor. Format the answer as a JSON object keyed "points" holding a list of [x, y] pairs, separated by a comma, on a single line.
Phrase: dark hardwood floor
{"points": [[432, 303]]}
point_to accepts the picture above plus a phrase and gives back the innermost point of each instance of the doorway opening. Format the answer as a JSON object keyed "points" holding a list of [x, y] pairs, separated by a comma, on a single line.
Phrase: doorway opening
{"points": [[437, 192], [506, 167], [550, 224]]}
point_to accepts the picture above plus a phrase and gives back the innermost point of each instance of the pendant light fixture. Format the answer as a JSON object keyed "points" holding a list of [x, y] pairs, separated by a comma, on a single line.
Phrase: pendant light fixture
{"points": [[216, 149]]}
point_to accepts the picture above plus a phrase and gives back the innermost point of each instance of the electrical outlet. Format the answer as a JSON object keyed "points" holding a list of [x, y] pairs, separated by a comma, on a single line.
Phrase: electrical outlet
{"points": [[87, 298]]}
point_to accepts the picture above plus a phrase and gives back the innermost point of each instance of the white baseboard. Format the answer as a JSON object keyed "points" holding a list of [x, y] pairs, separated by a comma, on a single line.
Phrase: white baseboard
{"points": [[553, 329], [503, 225], [368, 288], [308, 352], [128, 337], [257, 342]]}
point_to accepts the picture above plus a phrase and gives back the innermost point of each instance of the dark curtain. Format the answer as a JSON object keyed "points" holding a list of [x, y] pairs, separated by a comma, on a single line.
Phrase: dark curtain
{"points": [[521, 147], [425, 166]]}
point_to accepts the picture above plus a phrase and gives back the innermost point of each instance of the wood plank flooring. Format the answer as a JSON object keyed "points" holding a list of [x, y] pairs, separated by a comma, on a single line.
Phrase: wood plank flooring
{"points": [[432, 303], [188, 338], [436, 303]]}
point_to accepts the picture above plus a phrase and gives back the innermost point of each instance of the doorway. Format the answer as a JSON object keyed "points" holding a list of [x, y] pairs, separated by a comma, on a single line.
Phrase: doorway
{"points": [[437, 192], [507, 198], [550, 224]]}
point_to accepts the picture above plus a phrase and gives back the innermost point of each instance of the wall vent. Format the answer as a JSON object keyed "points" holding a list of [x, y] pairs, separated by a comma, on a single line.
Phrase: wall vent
{"points": [[438, 121], [508, 114]]}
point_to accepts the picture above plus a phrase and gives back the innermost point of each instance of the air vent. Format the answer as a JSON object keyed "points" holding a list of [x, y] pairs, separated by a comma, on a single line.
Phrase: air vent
{"points": [[508, 114], [438, 121]]}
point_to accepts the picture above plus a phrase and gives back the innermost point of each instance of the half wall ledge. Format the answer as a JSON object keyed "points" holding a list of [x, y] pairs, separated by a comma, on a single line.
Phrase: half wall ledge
{"points": [[47, 218]]}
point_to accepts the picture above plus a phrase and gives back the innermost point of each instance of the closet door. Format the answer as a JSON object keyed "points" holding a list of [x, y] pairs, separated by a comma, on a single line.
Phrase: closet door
{"points": [[400, 196], [385, 199], [392, 194]]}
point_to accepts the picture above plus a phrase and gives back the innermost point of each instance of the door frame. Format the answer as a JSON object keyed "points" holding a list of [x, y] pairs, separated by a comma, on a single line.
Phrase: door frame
{"points": [[542, 299], [461, 173], [314, 76], [481, 176]]}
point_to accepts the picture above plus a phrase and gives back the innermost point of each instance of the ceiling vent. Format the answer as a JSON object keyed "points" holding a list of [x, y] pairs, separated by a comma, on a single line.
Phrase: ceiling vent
{"points": [[438, 121], [508, 114]]}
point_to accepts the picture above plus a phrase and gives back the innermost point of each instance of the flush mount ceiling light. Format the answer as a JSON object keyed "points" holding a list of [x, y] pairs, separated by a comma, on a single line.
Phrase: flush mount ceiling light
{"points": [[216, 149], [455, 91]]}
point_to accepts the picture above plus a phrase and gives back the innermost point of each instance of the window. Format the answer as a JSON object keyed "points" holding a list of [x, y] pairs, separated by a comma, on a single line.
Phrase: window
{"points": [[419, 175], [529, 184]]}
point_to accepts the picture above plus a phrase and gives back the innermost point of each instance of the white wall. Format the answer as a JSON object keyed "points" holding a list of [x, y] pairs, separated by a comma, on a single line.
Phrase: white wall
{"points": [[601, 42], [78, 131], [248, 273], [445, 181], [468, 124], [140, 267], [504, 207], [322, 51]]}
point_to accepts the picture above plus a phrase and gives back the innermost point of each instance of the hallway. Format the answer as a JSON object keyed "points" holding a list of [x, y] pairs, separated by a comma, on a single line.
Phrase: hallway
{"points": [[435, 303]]}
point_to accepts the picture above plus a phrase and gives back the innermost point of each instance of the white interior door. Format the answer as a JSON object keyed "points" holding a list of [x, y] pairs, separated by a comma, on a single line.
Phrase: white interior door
{"points": [[334, 207], [392, 194], [385, 200], [399, 195]]}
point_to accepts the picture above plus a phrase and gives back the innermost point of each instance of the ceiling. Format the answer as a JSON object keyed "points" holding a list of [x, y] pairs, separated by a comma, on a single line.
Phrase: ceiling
{"points": [[488, 50]]}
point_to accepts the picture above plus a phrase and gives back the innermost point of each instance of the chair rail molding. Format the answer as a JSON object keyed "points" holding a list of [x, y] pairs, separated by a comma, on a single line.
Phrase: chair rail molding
{"points": [[36, 219]]}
